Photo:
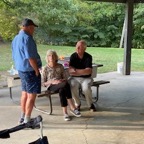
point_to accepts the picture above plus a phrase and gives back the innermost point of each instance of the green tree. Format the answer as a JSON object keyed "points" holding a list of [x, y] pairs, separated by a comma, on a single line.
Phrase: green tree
{"points": [[7, 22], [99, 24], [63, 22], [56, 18], [53, 16], [11, 14], [138, 26]]}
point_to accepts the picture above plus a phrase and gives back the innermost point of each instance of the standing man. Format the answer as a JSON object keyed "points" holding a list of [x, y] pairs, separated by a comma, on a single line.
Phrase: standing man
{"points": [[80, 69], [27, 62]]}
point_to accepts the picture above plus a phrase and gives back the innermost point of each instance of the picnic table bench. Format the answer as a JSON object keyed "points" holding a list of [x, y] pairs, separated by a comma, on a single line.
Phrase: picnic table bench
{"points": [[48, 94]]}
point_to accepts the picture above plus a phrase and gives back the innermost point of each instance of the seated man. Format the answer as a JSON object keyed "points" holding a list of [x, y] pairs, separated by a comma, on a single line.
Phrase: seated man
{"points": [[80, 70]]}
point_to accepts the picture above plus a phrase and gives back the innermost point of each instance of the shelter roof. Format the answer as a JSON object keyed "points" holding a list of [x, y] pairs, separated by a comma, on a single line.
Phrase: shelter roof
{"points": [[119, 1]]}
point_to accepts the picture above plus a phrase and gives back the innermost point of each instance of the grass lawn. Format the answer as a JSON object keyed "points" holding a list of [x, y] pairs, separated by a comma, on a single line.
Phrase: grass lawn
{"points": [[109, 57]]}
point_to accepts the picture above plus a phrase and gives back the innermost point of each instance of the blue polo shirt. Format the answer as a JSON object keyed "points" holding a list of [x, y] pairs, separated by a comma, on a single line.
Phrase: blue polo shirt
{"points": [[24, 48]]}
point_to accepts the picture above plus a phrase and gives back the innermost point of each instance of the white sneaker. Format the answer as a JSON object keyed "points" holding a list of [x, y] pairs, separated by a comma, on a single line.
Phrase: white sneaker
{"points": [[75, 113], [66, 117]]}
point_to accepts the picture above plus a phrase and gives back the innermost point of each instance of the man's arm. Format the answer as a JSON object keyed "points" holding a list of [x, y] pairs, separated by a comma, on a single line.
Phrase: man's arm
{"points": [[34, 65], [80, 72]]}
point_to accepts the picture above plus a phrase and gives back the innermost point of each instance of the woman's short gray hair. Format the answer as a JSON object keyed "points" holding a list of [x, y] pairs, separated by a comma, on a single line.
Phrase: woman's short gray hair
{"points": [[53, 53]]}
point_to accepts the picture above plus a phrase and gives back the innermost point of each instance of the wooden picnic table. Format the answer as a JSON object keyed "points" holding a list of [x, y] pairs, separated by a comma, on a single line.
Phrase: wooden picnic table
{"points": [[14, 80]]}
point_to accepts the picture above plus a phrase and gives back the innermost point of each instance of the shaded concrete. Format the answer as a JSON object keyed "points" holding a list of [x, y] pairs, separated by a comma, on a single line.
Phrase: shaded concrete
{"points": [[119, 119]]}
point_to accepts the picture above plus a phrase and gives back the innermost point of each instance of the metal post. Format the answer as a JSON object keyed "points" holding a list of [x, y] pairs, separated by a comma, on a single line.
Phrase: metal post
{"points": [[128, 37]]}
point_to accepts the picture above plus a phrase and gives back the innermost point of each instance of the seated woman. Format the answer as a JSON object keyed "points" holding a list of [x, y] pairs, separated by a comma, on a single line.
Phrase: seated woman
{"points": [[54, 78]]}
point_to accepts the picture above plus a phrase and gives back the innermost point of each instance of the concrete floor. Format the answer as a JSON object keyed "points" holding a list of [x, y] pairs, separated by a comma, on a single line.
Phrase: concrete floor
{"points": [[119, 119]]}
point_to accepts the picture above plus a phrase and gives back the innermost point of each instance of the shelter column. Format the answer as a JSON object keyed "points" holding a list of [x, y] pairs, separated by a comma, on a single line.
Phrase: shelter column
{"points": [[128, 37]]}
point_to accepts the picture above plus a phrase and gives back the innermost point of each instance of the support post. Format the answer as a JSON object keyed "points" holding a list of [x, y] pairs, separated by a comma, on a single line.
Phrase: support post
{"points": [[128, 37]]}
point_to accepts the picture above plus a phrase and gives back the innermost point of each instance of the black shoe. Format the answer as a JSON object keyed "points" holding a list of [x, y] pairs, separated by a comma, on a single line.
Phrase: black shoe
{"points": [[33, 124], [37, 126], [93, 108]]}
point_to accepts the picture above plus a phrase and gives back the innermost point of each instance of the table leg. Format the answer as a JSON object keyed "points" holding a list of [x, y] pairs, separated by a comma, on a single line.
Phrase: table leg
{"points": [[11, 97]]}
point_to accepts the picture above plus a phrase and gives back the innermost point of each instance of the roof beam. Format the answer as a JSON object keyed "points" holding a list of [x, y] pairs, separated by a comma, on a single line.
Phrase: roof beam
{"points": [[118, 1], [138, 1]]}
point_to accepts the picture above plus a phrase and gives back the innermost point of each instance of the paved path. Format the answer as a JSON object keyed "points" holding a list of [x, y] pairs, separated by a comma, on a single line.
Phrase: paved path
{"points": [[119, 119]]}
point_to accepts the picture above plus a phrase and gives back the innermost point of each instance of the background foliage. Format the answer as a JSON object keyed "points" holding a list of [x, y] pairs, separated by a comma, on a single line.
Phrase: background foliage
{"points": [[109, 57], [63, 22]]}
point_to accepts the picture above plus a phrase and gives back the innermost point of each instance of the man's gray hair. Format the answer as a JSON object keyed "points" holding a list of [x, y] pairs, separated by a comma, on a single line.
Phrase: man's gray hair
{"points": [[83, 43]]}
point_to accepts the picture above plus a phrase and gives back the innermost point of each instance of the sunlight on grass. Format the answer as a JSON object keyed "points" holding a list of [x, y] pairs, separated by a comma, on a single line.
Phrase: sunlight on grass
{"points": [[109, 57]]}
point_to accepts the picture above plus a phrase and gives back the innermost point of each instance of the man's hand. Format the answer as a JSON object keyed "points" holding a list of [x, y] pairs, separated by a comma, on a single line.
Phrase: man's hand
{"points": [[37, 72], [72, 70], [33, 63], [80, 72]]}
